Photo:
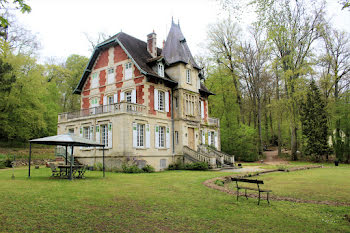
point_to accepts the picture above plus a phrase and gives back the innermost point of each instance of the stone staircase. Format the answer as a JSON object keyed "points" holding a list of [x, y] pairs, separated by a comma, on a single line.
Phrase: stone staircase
{"points": [[60, 153], [223, 159], [197, 156]]}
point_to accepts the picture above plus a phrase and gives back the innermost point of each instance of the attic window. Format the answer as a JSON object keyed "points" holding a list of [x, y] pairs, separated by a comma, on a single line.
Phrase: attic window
{"points": [[188, 76], [128, 70], [160, 69]]}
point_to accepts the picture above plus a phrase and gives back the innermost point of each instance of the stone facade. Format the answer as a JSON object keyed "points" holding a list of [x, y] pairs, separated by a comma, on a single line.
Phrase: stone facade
{"points": [[140, 117]]}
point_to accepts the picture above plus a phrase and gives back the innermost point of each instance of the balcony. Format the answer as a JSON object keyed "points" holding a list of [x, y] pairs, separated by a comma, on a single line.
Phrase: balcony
{"points": [[119, 108], [211, 122]]}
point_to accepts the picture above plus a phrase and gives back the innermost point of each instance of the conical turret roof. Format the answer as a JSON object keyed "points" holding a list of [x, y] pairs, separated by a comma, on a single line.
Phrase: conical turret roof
{"points": [[176, 48]]}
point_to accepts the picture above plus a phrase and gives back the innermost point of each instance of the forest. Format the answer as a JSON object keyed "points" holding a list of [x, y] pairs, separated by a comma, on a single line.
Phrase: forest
{"points": [[283, 81]]}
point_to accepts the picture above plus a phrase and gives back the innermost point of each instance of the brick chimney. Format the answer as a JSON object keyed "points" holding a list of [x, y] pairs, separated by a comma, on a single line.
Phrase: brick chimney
{"points": [[152, 44]]}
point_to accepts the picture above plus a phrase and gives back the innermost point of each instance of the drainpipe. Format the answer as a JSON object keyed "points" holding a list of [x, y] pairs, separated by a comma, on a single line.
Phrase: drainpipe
{"points": [[172, 122]]}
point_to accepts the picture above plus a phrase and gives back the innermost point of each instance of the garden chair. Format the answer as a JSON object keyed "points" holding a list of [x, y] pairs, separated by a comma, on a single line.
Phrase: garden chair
{"points": [[54, 170]]}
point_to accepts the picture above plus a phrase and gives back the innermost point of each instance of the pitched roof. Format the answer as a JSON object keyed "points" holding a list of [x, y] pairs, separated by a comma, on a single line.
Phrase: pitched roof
{"points": [[66, 140], [176, 48], [135, 49], [204, 89]]}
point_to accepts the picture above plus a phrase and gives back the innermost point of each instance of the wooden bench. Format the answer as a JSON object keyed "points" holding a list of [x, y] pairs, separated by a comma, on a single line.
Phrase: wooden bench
{"points": [[257, 182]]}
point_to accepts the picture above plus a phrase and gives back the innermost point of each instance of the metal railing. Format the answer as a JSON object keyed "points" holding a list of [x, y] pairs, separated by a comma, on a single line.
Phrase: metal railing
{"points": [[222, 156], [104, 109], [214, 121]]}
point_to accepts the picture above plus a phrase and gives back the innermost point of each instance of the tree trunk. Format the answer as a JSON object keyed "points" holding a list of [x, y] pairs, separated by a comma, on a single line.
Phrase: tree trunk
{"points": [[259, 126]]}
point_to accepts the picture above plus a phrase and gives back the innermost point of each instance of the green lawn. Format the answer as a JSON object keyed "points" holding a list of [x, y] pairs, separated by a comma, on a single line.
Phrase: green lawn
{"points": [[159, 202], [325, 184]]}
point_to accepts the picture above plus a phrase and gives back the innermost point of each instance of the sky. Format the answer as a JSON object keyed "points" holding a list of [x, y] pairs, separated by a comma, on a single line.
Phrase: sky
{"points": [[61, 25]]}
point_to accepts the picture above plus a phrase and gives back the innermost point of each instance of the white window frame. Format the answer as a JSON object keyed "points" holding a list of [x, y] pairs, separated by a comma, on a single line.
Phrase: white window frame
{"points": [[94, 80], [188, 76], [212, 138], [160, 69], [176, 137], [104, 134], [128, 71], [140, 138], [86, 132], [71, 131], [162, 132], [94, 102], [128, 96], [161, 100], [110, 100], [110, 75]]}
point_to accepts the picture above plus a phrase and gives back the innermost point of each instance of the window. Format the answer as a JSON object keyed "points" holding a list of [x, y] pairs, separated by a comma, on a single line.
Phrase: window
{"points": [[162, 164], [110, 100], [110, 75], [104, 135], [94, 80], [161, 101], [140, 135], [93, 102], [176, 137], [176, 103], [71, 131], [190, 104], [212, 138], [128, 70], [161, 136], [188, 76], [86, 132], [160, 69], [128, 96]]}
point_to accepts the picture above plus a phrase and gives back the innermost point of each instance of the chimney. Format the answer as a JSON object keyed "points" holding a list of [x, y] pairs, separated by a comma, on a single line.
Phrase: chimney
{"points": [[163, 44], [152, 44]]}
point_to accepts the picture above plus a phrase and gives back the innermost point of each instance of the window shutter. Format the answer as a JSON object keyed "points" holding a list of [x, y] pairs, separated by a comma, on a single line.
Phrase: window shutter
{"points": [[209, 138], [81, 135], [167, 137], [216, 139], [133, 96], [156, 136], [155, 99], [105, 100], [202, 109], [121, 96], [203, 137], [134, 135], [167, 101], [98, 139], [115, 98], [110, 135], [148, 136]]}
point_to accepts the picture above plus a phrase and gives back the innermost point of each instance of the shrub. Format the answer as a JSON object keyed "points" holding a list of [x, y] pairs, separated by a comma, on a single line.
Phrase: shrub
{"points": [[219, 182], [176, 166], [98, 167], [131, 169], [148, 168]]}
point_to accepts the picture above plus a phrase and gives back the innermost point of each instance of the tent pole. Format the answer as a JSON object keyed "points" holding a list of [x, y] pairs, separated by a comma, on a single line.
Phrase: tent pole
{"points": [[71, 164], [103, 160], [30, 155], [66, 155]]}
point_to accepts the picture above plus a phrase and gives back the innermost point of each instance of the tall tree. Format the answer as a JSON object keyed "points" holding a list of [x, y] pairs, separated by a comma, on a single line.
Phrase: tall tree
{"points": [[314, 123]]}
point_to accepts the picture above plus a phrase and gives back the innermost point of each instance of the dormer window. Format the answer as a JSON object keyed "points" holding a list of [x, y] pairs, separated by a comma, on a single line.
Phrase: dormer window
{"points": [[160, 69], [188, 76]]}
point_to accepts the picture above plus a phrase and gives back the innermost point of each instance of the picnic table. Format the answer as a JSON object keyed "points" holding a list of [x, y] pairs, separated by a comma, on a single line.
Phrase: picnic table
{"points": [[78, 171]]}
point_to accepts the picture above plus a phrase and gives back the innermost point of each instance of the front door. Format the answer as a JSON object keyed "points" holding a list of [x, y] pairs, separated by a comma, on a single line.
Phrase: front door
{"points": [[191, 138]]}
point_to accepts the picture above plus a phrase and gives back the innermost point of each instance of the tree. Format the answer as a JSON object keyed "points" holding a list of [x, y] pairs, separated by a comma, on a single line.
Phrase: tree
{"points": [[18, 4], [314, 123]]}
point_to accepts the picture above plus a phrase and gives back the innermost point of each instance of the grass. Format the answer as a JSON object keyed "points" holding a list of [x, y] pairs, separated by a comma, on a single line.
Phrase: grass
{"points": [[38, 152], [157, 202], [327, 184]]}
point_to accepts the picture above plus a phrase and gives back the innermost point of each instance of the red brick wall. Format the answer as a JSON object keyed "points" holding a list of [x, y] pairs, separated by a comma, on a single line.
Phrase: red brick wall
{"points": [[102, 81], [86, 88], [102, 60], [151, 100], [140, 94], [119, 76], [119, 95], [169, 113], [119, 54], [101, 99], [205, 110], [136, 72], [85, 103], [139, 80]]}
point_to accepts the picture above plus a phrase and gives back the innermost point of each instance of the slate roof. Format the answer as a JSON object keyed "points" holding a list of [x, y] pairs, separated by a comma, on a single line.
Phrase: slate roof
{"points": [[176, 48], [137, 51]]}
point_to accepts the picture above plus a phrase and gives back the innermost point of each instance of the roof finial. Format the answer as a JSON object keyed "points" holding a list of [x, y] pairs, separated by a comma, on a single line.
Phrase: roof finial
{"points": [[172, 19]]}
